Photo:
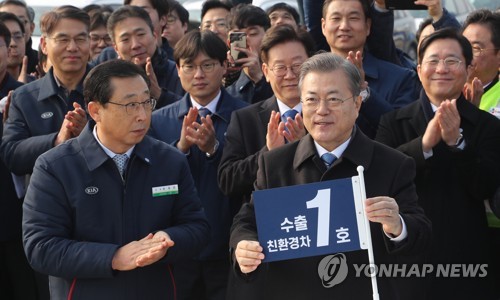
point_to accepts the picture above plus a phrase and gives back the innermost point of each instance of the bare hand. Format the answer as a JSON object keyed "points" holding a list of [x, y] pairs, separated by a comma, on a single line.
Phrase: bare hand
{"points": [[295, 129], [274, 137], [23, 73], [474, 91], [432, 135], [251, 64], [126, 257], [77, 119], [248, 255], [449, 121], [202, 135], [155, 88], [384, 210], [184, 144], [7, 107], [357, 60], [155, 253], [434, 8]]}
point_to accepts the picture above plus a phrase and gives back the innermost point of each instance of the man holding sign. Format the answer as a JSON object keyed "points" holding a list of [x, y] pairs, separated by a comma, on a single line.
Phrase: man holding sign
{"points": [[330, 88]]}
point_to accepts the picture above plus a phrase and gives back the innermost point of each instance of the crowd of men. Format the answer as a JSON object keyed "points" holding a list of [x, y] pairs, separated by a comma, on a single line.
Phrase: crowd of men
{"points": [[131, 146]]}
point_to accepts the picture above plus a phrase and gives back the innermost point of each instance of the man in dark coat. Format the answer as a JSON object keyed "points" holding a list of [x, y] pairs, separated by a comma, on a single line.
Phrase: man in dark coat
{"points": [[398, 225], [107, 213], [196, 125], [456, 148]]}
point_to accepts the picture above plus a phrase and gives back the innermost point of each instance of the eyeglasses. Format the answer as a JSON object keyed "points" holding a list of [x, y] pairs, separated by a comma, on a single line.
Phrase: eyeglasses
{"points": [[478, 51], [332, 103], [64, 41], [206, 68], [95, 38], [171, 19], [134, 108], [280, 70], [220, 25], [451, 63]]}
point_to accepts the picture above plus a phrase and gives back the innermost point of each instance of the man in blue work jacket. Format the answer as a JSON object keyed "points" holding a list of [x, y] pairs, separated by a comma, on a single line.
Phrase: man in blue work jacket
{"points": [[107, 213]]}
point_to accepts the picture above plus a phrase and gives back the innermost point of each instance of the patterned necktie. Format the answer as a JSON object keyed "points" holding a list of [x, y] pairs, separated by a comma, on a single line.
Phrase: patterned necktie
{"points": [[328, 159], [121, 161], [204, 112], [290, 113]]}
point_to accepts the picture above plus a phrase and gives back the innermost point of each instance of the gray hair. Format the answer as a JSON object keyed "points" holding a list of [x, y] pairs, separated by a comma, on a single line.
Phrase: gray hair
{"points": [[328, 62]]}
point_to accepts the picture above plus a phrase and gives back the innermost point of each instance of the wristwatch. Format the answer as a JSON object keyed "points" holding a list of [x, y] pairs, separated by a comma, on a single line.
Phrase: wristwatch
{"points": [[216, 146], [365, 94]]}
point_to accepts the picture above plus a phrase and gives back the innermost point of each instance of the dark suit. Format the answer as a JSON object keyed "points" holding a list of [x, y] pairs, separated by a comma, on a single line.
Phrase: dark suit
{"points": [[299, 163], [451, 186], [245, 142]]}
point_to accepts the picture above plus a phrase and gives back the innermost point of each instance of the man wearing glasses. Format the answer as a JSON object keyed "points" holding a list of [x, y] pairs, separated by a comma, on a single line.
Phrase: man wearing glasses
{"points": [[269, 124], [177, 23], [197, 125], [16, 47], [107, 213], [330, 93], [456, 148], [482, 29], [49, 111], [214, 15], [20, 9]]}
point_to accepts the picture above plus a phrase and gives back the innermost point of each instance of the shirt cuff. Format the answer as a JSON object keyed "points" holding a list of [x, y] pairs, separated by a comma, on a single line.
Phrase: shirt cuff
{"points": [[428, 154], [402, 235]]}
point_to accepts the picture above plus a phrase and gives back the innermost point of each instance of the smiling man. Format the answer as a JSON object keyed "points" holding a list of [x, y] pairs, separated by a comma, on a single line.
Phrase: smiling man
{"points": [[346, 25], [134, 39], [398, 226], [114, 231], [456, 148], [49, 111], [268, 124]]}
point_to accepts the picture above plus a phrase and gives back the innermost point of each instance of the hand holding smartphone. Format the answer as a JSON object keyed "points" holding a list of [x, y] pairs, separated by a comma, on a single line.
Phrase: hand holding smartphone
{"points": [[237, 39]]}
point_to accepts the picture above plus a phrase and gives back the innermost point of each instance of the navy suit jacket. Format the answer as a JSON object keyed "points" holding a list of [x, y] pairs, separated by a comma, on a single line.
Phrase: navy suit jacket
{"points": [[166, 126]]}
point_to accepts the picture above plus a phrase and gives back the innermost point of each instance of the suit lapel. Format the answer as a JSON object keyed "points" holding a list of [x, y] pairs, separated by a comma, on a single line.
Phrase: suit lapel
{"points": [[265, 110]]}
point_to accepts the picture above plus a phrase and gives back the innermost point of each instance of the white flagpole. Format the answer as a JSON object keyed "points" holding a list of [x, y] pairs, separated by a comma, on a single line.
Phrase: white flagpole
{"points": [[371, 258]]}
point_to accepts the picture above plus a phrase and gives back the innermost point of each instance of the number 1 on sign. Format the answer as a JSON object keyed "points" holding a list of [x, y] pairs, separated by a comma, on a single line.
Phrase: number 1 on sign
{"points": [[322, 202]]}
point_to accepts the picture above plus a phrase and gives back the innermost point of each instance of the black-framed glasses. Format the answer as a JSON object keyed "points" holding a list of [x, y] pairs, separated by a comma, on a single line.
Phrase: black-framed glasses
{"points": [[280, 70], [206, 67], [95, 38], [478, 51], [133, 108], [312, 103]]}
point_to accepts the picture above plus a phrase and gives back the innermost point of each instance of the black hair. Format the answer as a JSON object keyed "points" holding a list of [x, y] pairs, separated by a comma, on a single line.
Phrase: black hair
{"points": [[446, 33], [194, 42], [97, 85], [285, 7]]}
